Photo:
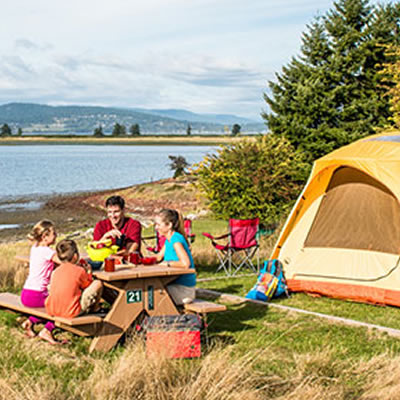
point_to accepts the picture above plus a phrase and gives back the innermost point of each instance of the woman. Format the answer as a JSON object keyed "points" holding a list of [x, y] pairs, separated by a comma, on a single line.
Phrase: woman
{"points": [[176, 253]]}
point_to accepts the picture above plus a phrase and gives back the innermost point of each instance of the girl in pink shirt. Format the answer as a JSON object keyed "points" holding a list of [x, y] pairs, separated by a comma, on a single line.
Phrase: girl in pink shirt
{"points": [[41, 265]]}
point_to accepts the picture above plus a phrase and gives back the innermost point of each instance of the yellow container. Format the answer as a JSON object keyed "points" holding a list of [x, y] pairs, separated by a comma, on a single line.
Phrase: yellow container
{"points": [[100, 254]]}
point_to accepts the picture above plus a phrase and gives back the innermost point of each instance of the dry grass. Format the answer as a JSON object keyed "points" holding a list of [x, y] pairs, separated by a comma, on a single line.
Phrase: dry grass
{"points": [[216, 376], [220, 374], [134, 376], [382, 378], [12, 273]]}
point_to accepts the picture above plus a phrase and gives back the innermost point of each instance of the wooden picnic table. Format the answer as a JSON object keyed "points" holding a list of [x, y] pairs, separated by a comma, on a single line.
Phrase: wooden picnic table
{"points": [[135, 289]]}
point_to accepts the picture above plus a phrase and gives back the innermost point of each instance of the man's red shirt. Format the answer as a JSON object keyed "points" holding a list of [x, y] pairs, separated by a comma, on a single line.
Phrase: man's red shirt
{"points": [[130, 228]]}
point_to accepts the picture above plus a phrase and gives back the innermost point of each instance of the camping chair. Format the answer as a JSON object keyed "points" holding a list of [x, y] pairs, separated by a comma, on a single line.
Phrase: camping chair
{"points": [[187, 224], [160, 240], [158, 245], [241, 247]]}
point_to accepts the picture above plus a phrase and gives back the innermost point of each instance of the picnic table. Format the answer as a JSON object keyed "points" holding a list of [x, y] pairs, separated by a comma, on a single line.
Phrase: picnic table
{"points": [[131, 290], [135, 289]]}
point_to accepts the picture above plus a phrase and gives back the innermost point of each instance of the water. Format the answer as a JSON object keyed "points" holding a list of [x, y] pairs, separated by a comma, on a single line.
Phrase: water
{"points": [[42, 170]]}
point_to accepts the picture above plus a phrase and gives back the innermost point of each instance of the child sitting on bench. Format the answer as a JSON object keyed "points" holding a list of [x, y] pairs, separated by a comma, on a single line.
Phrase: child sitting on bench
{"points": [[72, 289], [41, 265]]}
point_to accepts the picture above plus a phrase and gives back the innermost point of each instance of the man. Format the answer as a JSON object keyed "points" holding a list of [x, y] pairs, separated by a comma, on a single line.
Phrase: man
{"points": [[124, 231]]}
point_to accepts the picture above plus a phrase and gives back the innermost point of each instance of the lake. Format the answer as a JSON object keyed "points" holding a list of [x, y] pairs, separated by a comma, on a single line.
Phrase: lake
{"points": [[42, 170]]}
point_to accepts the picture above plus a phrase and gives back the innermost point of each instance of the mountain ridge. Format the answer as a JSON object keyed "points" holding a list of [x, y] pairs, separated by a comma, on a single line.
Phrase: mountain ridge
{"points": [[41, 118]]}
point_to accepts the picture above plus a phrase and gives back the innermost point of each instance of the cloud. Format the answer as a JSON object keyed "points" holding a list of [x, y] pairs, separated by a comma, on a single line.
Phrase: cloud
{"points": [[203, 55], [27, 44]]}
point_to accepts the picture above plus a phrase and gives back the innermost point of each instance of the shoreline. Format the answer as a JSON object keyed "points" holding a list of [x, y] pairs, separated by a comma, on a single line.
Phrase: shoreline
{"points": [[64, 210], [81, 210], [145, 140]]}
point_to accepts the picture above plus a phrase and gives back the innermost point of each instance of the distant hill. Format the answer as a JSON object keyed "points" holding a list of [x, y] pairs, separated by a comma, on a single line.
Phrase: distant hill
{"points": [[38, 118], [184, 115]]}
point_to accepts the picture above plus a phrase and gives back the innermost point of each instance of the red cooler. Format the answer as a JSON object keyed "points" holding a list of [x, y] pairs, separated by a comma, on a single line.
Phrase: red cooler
{"points": [[173, 336]]}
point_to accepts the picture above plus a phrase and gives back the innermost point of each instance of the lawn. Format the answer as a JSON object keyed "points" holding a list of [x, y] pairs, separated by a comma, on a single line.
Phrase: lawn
{"points": [[256, 351]]}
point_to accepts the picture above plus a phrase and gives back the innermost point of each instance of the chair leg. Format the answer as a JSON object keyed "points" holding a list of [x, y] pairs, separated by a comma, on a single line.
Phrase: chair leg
{"points": [[223, 259], [246, 260]]}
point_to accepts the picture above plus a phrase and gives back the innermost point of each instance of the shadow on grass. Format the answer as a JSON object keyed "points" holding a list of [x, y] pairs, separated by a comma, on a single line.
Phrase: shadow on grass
{"points": [[237, 318]]}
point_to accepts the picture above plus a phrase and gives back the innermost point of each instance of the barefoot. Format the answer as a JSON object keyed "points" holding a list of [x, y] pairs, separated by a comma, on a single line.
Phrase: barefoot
{"points": [[27, 327], [46, 335]]}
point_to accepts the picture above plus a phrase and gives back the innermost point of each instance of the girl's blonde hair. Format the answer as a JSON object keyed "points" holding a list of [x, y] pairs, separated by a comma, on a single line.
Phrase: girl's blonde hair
{"points": [[176, 219], [40, 229]]}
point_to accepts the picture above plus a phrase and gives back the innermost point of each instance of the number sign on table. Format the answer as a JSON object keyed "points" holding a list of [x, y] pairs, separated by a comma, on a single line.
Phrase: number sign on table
{"points": [[134, 296]]}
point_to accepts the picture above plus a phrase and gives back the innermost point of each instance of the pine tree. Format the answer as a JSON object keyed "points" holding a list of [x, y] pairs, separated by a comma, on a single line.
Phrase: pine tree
{"points": [[236, 129], [98, 132], [122, 131], [135, 130], [5, 130], [118, 130], [331, 94]]}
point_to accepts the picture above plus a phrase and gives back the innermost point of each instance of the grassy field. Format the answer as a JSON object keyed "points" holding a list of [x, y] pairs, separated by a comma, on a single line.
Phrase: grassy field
{"points": [[256, 352]]}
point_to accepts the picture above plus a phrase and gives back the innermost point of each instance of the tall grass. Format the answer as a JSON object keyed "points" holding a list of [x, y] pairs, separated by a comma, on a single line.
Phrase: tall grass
{"points": [[220, 374], [12, 273], [135, 376]]}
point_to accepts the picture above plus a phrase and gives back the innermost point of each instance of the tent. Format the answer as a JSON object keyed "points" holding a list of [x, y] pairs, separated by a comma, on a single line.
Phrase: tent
{"points": [[342, 238]]}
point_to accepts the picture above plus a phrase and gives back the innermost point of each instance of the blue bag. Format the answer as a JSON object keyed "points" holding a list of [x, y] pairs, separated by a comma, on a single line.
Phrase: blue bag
{"points": [[264, 288], [275, 268]]}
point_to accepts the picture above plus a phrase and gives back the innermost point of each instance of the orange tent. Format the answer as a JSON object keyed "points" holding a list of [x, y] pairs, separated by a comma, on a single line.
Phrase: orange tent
{"points": [[342, 238]]}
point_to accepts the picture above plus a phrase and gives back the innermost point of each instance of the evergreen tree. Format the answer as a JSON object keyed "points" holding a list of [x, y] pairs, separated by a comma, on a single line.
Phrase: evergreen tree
{"points": [[98, 132], [135, 130], [5, 130], [19, 131], [188, 130], [332, 94], [123, 130], [236, 129], [118, 130]]}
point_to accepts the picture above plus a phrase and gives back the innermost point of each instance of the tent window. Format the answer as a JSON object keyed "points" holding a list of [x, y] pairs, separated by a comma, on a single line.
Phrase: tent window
{"points": [[357, 212], [391, 138]]}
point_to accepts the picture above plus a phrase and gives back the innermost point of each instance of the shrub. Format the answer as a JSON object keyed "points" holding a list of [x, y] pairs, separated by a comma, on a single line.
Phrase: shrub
{"points": [[252, 178]]}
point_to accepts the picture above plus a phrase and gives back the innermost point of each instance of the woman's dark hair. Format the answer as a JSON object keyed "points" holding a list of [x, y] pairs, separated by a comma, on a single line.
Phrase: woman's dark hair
{"points": [[116, 201], [175, 218]]}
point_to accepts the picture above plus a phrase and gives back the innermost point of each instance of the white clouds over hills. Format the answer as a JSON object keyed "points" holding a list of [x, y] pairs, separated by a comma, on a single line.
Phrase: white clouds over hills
{"points": [[205, 56]]}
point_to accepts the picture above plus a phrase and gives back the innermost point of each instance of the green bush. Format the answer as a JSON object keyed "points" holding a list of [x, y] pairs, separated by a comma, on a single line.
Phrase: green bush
{"points": [[252, 178]]}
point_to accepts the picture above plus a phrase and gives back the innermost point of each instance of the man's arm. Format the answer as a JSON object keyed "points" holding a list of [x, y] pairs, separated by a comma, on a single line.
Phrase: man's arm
{"points": [[134, 236]]}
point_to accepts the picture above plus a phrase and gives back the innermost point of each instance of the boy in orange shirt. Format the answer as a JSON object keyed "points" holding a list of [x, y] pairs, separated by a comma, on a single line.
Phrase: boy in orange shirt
{"points": [[72, 289]]}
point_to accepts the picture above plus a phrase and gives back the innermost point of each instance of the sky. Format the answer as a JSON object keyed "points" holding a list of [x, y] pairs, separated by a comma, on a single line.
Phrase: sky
{"points": [[200, 55]]}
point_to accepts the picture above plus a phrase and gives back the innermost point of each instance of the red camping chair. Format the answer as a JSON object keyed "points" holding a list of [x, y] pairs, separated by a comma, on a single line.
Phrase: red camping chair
{"points": [[241, 247], [187, 224], [158, 245], [160, 240]]}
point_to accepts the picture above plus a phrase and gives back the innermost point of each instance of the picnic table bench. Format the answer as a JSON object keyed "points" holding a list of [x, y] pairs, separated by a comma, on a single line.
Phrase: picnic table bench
{"points": [[85, 325]]}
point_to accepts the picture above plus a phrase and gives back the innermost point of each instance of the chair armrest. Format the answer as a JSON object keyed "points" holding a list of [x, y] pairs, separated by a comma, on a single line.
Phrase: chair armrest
{"points": [[211, 237], [148, 237]]}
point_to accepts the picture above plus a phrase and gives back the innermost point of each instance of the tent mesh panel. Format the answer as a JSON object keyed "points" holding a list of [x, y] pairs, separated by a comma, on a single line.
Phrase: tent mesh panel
{"points": [[357, 212]]}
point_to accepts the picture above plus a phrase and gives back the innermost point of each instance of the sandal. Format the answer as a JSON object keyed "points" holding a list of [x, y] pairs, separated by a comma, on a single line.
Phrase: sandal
{"points": [[27, 327]]}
